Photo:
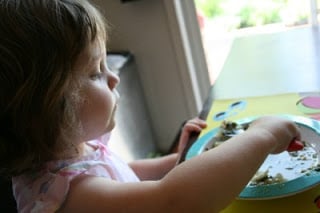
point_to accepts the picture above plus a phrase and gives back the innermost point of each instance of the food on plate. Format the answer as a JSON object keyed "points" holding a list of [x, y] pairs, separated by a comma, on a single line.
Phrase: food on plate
{"points": [[278, 168], [227, 129], [263, 178]]}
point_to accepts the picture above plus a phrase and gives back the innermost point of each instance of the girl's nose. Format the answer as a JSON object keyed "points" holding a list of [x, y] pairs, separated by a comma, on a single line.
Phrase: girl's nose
{"points": [[113, 79]]}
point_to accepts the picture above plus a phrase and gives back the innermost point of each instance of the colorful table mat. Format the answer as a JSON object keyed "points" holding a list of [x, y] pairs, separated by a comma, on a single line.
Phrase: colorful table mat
{"points": [[302, 104]]}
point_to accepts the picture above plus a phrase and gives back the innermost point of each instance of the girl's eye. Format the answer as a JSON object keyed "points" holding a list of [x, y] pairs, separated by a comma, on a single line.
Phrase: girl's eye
{"points": [[96, 76]]}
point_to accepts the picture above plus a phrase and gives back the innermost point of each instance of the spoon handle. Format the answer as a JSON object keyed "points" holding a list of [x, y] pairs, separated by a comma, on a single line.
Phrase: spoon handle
{"points": [[295, 145]]}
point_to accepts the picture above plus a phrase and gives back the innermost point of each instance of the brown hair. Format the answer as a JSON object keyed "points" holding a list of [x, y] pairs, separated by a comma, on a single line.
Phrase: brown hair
{"points": [[40, 41]]}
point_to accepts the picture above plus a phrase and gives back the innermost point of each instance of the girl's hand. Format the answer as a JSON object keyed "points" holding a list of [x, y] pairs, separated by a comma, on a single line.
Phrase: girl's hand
{"points": [[193, 125], [282, 131]]}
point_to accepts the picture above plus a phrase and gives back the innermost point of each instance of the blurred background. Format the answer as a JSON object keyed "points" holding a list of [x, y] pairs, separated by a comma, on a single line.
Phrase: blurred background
{"points": [[221, 21]]}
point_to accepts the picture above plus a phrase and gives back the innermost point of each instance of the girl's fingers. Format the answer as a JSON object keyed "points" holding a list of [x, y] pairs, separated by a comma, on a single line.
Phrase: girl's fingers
{"points": [[197, 122], [192, 127]]}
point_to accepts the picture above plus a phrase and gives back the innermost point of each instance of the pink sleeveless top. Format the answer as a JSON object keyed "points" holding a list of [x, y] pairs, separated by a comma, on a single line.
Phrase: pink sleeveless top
{"points": [[46, 190]]}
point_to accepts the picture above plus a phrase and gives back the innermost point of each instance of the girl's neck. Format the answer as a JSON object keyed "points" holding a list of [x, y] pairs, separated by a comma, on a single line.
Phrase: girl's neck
{"points": [[72, 151]]}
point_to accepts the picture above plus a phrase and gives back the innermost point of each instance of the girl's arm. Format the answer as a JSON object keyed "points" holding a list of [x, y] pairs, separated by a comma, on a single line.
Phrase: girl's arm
{"points": [[157, 168], [206, 183], [154, 169]]}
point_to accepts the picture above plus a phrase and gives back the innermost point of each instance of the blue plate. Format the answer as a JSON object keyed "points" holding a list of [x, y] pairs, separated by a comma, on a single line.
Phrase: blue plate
{"points": [[298, 176]]}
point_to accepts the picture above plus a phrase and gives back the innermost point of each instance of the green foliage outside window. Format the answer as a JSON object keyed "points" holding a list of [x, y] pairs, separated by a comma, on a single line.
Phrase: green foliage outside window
{"points": [[210, 8], [250, 13]]}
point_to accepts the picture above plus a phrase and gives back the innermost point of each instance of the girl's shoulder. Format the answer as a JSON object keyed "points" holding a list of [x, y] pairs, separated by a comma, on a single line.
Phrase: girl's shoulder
{"points": [[48, 188]]}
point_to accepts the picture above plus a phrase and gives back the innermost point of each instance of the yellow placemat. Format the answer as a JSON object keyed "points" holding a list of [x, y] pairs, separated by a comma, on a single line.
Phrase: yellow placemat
{"points": [[278, 104], [303, 202]]}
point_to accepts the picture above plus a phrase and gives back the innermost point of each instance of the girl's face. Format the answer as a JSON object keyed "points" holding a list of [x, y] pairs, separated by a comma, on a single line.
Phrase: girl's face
{"points": [[98, 92]]}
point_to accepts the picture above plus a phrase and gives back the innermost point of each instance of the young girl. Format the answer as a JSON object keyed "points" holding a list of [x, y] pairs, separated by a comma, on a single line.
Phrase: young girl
{"points": [[58, 101]]}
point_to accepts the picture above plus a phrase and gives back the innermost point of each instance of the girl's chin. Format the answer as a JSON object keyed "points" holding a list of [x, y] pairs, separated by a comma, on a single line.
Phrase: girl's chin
{"points": [[112, 122], [111, 125]]}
